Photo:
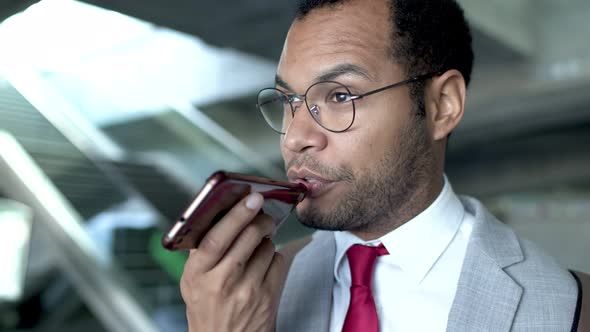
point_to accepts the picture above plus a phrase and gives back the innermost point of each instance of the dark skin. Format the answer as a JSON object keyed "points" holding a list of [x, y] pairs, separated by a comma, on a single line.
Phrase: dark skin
{"points": [[233, 281]]}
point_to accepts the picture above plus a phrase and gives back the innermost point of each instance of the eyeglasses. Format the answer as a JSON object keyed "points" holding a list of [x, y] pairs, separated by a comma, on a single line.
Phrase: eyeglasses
{"points": [[331, 104]]}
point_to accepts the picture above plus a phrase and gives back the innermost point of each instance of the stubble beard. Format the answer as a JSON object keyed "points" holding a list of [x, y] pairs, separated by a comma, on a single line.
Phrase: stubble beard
{"points": [[383, 194]]}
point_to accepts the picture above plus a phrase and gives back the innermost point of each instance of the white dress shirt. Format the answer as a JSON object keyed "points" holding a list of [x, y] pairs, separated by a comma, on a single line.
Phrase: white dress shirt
{"points": [[414, 286]]}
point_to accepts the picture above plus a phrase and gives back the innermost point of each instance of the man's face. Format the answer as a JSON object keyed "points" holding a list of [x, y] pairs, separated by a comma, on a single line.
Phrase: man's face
{"points": [[362, 177]]}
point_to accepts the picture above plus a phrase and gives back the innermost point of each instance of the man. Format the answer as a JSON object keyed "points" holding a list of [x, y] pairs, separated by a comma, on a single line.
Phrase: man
{"points": [[367, 93]]}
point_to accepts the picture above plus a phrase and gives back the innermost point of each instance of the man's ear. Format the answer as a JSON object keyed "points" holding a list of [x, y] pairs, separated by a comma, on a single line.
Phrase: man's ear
{"points": [[446, 95]]}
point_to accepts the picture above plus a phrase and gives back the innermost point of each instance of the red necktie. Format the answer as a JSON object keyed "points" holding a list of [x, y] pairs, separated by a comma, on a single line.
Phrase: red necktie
{"points": [[362, 315]]}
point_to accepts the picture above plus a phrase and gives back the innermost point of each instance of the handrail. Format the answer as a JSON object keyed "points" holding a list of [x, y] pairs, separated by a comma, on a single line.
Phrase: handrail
{"points": [[60, 112], [102, 287]]}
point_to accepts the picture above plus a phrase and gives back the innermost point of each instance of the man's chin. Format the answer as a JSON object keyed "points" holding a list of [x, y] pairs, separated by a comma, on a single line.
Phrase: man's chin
{"points": [[304, 214], [315, 206], [312, 217], [317, 224]]}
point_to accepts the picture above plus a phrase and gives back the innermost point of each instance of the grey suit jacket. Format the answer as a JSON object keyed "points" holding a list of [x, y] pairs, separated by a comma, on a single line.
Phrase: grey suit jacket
{"points": [[506, 284]]}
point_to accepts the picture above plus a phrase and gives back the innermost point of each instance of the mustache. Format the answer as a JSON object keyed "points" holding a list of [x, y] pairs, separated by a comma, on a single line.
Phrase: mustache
{"points": [[330, 173]]}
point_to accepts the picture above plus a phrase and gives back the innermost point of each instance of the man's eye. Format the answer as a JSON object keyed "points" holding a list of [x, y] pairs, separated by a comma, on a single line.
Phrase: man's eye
{"points": [[339, 97]]}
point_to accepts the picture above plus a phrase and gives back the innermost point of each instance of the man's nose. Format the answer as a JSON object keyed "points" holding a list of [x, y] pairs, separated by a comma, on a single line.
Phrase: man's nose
{"points": [[304, 133]]}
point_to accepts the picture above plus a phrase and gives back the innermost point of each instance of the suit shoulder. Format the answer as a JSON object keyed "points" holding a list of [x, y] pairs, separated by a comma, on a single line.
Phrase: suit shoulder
{"points": [[547, 287], [520, 257], [540, 268], [549, 292]]}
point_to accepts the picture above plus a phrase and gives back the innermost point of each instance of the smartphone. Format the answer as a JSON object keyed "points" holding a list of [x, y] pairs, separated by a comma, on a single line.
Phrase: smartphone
{"points": [[219, 194]]}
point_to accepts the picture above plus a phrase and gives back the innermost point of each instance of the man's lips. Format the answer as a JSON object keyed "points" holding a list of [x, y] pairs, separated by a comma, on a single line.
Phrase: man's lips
{"points": [[316, 184]]}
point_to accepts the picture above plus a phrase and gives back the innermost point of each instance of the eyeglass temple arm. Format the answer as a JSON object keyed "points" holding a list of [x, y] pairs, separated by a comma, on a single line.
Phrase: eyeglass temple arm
{"points": [[409, 80], [278, 98]]}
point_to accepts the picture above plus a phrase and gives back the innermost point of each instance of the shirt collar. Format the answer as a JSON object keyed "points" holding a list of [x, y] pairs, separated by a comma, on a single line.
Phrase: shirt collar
{"points": [[415, 246]]}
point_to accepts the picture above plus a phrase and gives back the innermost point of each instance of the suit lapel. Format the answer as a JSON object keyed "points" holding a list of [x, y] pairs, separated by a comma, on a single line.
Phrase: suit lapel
{"points": [[306, 302], [487, 297]]}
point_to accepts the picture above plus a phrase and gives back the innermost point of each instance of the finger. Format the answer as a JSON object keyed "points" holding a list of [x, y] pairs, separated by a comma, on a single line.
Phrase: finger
{"points": [[246, 243], [219, 238], [277, 272], [260, 262], [191, 263]]}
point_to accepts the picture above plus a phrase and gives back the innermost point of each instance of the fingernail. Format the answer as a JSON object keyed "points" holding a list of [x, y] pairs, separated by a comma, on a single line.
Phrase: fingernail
{"points": [[254, 201]]}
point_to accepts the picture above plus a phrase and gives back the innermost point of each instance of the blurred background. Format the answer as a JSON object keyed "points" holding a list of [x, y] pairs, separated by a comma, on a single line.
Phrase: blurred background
{"points": [[113, 114]]}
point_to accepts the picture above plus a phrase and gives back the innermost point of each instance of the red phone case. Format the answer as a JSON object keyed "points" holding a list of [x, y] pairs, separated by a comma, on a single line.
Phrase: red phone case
{"points": [[219, 194]]}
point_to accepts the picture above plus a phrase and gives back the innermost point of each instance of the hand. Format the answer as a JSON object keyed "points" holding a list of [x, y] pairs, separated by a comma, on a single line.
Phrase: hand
{"points": [[233, 280]]}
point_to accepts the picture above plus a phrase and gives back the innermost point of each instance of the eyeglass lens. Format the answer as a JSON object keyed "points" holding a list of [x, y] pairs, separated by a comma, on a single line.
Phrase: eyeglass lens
{"points": [[328, 103]]}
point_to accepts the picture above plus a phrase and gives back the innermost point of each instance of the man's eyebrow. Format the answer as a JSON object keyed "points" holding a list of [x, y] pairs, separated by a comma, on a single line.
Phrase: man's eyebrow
{"points": [[280, 82], [330, 74], [343, 69]]}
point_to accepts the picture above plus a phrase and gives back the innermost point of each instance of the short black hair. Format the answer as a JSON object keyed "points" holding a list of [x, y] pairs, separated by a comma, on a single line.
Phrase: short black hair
{"points": [[429, 36]]}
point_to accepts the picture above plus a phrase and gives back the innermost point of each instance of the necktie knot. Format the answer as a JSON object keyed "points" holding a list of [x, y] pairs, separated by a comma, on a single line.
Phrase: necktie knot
{"points": [[361, 260]]}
